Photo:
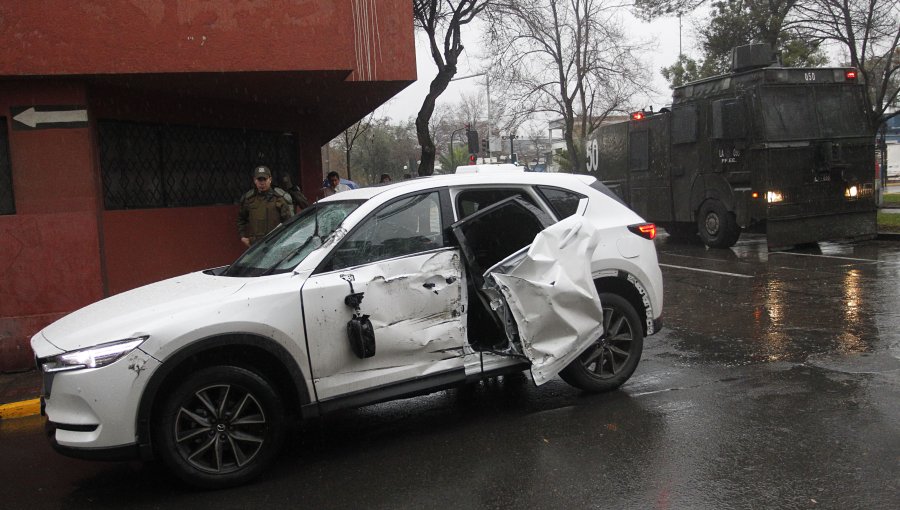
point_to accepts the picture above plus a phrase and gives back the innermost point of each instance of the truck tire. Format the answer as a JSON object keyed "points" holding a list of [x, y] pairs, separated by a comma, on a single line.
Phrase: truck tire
{"points": [[220, 427], [717, 226]]}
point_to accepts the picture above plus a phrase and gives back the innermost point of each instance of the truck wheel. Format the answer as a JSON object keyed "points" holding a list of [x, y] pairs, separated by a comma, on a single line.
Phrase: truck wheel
{"points": [[611, 360], [717, 227], [220, 427]]}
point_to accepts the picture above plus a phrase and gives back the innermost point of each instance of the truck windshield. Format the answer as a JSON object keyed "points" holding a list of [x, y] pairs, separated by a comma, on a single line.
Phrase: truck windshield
{"points": [[289, 244], [815, 111]]}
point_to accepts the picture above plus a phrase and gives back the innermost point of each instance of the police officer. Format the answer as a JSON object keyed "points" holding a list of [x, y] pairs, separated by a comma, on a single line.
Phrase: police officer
{"points": [[262, 208]]}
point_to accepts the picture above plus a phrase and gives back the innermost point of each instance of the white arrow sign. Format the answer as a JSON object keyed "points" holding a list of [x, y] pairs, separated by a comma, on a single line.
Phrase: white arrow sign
{"points": [[32, 118]]}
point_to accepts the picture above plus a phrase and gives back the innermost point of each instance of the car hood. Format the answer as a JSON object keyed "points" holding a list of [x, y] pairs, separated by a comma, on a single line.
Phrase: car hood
{"points": [[126, 315]]}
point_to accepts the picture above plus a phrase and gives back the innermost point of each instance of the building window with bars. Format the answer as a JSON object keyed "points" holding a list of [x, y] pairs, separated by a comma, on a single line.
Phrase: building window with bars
{"points": [[155, 165]]}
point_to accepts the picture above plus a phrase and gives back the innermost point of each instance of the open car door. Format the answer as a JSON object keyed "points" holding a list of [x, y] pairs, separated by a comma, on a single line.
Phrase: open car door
{"points": [[535, 278]]}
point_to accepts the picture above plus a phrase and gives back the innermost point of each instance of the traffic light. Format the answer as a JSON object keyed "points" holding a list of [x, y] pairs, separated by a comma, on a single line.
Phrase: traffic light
{"points": [[484, 146], [472, 159], [473, 140]]}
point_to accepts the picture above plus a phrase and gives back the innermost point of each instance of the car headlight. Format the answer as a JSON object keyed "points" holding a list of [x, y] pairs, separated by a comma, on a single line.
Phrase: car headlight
{"points": [[92, 357]]}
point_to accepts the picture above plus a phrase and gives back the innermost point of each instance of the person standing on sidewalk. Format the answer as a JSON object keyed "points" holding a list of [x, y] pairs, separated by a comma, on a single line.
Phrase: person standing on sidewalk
{"points": [[262, 208]]}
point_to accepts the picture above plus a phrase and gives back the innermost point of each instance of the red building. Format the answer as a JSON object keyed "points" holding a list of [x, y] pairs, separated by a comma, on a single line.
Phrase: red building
{"points": [[128, 131]]}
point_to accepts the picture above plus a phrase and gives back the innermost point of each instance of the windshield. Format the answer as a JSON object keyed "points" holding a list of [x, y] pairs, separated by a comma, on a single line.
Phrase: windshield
{"points": [[821, 111], [289, 244]]}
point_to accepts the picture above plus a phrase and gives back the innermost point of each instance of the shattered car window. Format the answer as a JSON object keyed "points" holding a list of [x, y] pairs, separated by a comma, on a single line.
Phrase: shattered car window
{"points": [[407, 226], [290, 243]]}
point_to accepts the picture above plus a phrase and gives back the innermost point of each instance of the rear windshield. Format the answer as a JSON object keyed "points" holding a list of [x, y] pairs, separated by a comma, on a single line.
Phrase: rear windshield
{"points": [[821, 111]]}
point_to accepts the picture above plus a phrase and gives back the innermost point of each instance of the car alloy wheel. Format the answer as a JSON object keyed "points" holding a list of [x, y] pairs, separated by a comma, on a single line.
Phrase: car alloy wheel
{"points": [[219, 427], [612, 358]]}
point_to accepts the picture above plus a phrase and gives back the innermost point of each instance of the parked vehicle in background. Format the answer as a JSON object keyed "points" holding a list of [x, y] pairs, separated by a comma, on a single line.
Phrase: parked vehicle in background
{"points": [[786, 150], [368, 295]]}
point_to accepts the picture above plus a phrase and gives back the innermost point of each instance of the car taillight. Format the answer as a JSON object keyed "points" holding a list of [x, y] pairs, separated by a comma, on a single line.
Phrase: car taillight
{"points": [[645, 230]]}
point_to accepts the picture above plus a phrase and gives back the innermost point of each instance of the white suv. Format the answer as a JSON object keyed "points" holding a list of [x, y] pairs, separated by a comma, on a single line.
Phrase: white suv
{"points": [[369, 295]]}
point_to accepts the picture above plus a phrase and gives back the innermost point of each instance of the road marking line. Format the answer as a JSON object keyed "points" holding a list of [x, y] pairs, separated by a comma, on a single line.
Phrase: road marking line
{"points": [[824, 256], [20, 409], [707, 271]]}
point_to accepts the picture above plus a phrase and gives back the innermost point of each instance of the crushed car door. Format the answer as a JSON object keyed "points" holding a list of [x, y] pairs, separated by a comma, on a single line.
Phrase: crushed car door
{"points": [[542, 294], [407, 281]]}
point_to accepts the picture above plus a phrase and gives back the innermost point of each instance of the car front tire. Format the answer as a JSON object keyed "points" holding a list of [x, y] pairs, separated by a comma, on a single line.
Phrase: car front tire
{"points": [[613, 357], [220, 427]]}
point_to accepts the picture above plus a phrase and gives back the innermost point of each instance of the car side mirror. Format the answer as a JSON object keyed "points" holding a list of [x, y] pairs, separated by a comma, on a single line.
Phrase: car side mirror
{"points": [[360, 332]]}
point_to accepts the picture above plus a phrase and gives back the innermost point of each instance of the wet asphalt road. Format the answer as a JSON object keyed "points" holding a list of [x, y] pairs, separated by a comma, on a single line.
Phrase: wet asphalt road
{"points": [[776, 384]]}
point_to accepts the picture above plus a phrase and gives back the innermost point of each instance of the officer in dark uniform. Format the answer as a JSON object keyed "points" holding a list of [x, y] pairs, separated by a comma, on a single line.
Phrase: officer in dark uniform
{"points": [[262, 208]]}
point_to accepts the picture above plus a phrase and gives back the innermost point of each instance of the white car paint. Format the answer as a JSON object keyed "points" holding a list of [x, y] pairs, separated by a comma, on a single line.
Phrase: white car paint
{"points": [[552, 297], [419, 330], [177, 313]]}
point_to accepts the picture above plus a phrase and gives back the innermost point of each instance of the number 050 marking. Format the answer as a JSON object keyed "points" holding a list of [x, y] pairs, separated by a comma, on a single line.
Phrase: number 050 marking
{"points": [[810, 76]]}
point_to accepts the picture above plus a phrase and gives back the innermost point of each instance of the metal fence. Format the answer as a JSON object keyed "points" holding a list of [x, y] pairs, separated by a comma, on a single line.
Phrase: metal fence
{"points": [[7, 201], [157, 165]]}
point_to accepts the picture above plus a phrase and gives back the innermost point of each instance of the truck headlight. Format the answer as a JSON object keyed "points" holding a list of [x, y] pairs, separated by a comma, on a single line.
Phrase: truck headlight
{"points": [[774, 197], [851, 191], [92, 357]]}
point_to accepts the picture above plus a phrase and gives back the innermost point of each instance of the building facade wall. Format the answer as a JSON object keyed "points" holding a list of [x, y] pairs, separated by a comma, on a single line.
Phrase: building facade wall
{"points": [[171, 36], [306, 67], [49, 262]]}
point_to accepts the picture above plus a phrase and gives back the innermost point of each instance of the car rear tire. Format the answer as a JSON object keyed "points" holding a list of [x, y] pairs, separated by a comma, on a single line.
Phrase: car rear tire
{"points": [[717, 227], [611, 360], [220, 427]]}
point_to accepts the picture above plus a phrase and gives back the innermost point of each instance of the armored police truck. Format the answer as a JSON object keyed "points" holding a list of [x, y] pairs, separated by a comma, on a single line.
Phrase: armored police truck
{"points": [[787, 150]]}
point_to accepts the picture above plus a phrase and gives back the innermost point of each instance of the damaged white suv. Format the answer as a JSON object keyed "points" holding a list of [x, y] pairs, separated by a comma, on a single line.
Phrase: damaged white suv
{"points": [[369, 295]]}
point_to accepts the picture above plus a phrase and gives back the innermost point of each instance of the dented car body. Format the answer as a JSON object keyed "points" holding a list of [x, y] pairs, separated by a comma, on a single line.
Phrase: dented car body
{"points": [[369, 295]]}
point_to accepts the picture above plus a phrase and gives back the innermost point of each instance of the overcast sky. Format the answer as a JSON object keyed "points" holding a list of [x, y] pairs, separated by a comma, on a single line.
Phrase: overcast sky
{"points": [[663, 32]]}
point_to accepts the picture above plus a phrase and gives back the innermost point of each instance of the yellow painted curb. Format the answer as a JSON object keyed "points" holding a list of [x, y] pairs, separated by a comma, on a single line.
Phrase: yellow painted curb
{"points": [[20, 409]]}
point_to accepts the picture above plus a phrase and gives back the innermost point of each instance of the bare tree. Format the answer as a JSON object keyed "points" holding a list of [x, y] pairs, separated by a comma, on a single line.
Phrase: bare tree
{"points": [[349, 137], [569, 58], [440, 19], [868, 31]]}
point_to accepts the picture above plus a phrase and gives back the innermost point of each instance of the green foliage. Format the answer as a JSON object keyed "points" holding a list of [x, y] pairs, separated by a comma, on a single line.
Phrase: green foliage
{"points": [[561, 159], [736, 23], [888, 221], [686, 70], [449, 162]]}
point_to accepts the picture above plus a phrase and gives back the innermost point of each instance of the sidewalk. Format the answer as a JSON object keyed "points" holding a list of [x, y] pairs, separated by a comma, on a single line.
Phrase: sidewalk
{"points": [[19, 394]]}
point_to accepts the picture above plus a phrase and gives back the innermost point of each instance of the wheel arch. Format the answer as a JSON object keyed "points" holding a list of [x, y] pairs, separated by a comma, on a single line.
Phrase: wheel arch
{"points": [[711, 186], [262, 355], [627, 286]]}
